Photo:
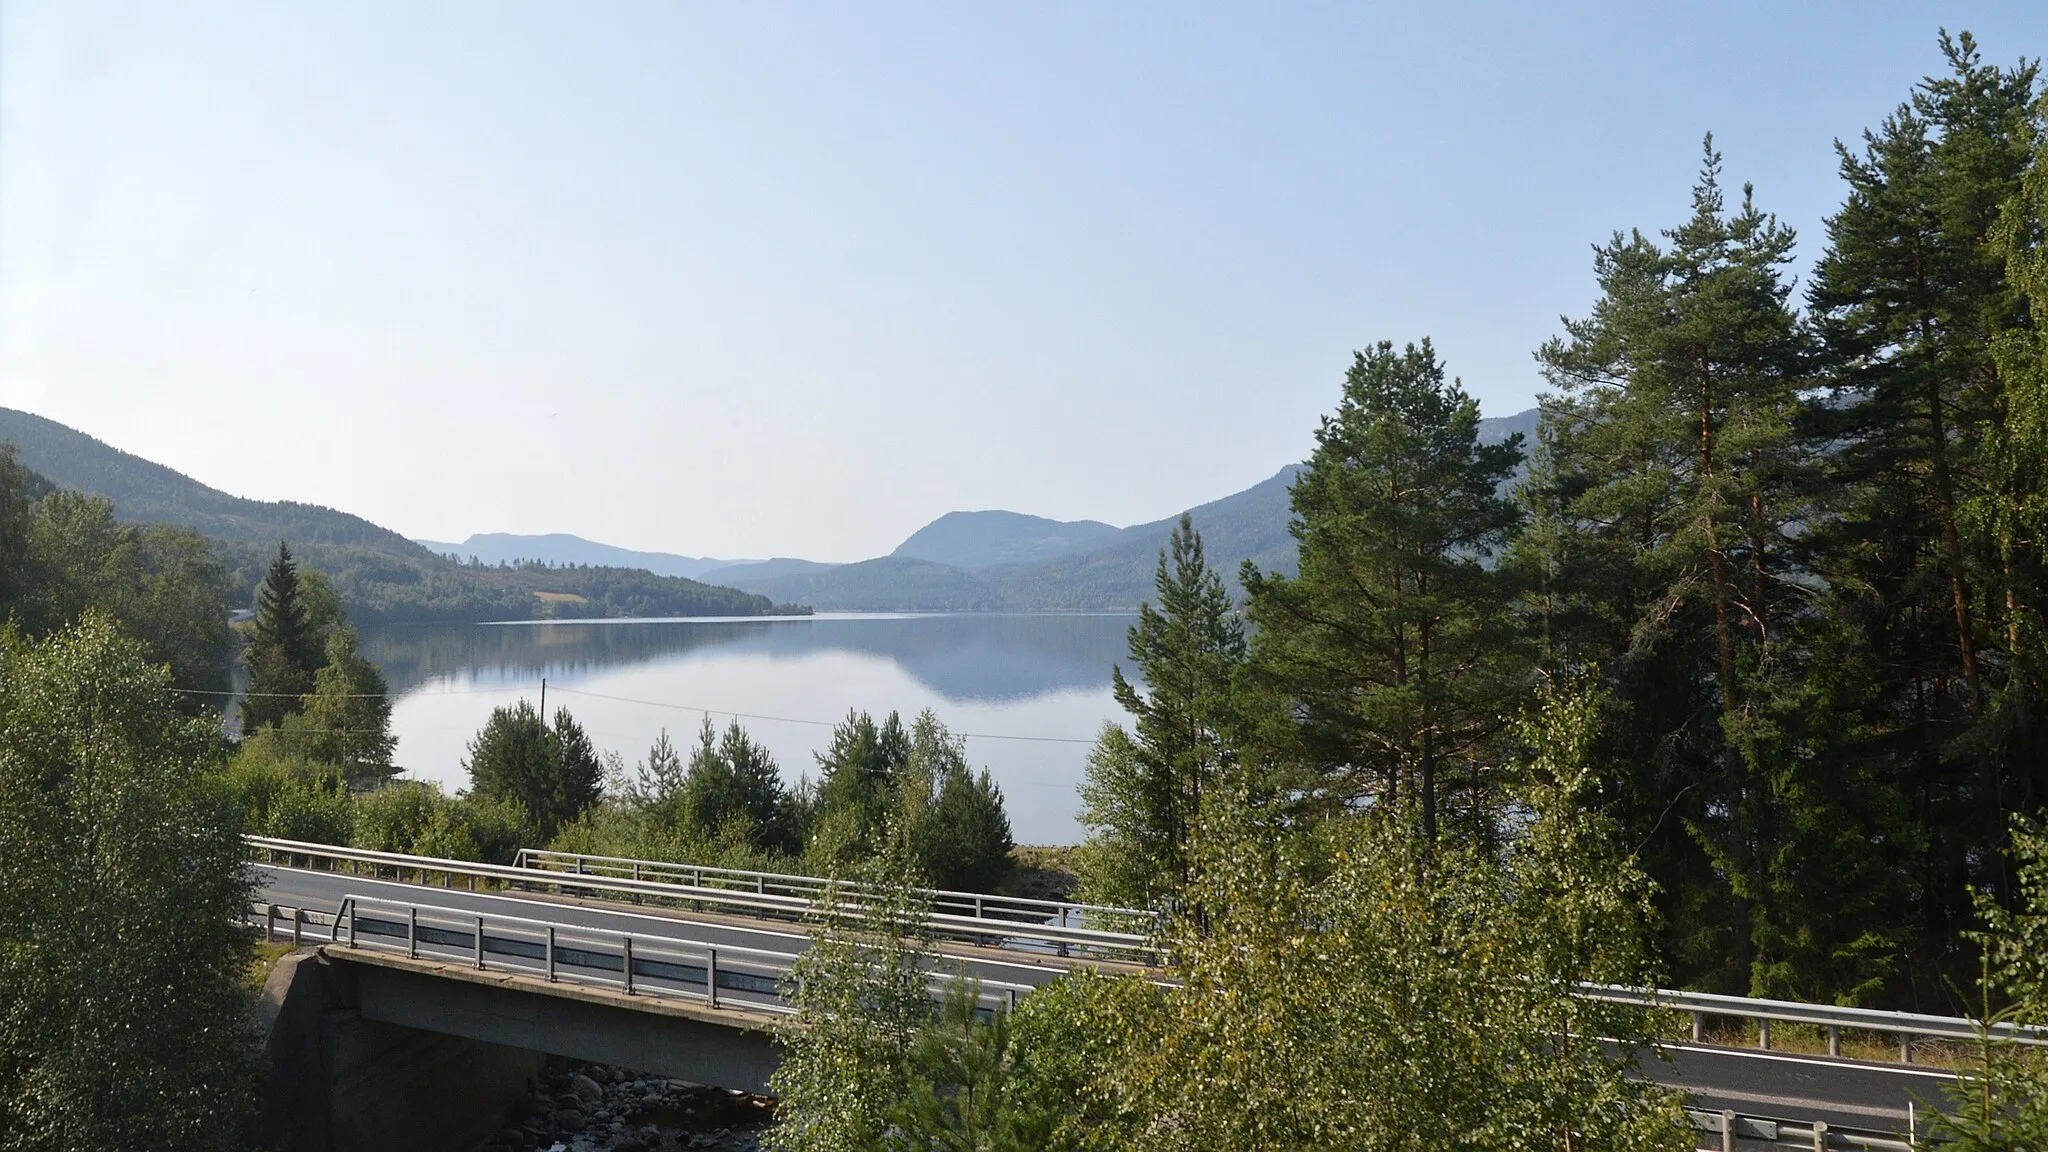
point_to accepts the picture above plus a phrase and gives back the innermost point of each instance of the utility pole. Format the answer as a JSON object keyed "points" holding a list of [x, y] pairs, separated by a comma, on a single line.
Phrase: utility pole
{"points": [[543, 701]]}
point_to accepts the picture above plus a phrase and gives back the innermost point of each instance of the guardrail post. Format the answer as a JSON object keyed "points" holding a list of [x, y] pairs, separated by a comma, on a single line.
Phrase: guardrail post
{"points": [[1699, 1026], [270, 923], [1834, 1039], [412, 933], [551, 953], [1820, 1136], [298, 926], [479, 943], [1727, 1131], [711, 975], [1763, 1034], [636, 880], [627, 968], [351, 923]]}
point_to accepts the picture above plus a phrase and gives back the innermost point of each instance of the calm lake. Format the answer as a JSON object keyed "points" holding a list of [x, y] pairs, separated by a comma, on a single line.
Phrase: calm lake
{"points": [[1028, 691]]}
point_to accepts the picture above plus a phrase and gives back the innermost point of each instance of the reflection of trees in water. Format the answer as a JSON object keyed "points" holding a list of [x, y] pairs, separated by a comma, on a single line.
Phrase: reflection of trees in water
{"points": [[963, 657]]}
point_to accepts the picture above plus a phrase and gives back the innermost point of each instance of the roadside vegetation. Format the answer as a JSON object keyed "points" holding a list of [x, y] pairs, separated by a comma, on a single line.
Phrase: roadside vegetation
{"points": [[1739, 689]]}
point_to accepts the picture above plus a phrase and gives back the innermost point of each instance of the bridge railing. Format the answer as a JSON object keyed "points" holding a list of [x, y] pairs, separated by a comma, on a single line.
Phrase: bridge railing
{"points": [[1731, 1130], [985, 930], [636, 963], [1905, 1027], [978, 905]]}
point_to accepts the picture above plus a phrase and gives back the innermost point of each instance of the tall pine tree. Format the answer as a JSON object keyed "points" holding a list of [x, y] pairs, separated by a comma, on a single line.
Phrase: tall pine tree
{"points": [[1912, 301], [1385, 668]]}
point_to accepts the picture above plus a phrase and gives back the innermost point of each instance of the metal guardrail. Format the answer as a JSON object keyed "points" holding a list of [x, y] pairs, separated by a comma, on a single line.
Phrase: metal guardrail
{"points": [[1040, 939], [789, 898], [636, 963], [1906, 1026], [979, 905], [1737, 1131]]}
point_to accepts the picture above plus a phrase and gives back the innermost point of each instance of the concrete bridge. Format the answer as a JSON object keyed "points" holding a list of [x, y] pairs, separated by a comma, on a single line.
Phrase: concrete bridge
{"points": [[453, 974]]}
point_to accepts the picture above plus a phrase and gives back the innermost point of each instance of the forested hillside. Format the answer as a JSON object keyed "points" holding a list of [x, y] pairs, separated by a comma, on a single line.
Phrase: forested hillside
{"points": [[974, 540], [1092, 566], [380, 575], [560, 548]]}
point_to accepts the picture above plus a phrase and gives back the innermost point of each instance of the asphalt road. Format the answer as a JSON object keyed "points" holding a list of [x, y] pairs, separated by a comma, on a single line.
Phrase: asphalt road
{"points": [[1845, 1093]]}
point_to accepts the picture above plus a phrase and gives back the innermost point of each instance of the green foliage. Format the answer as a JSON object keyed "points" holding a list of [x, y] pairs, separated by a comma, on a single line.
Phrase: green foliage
{"points": [[347, 718], [1929, 588], [861, 1005], [121, 1006], [62, 554], [285, 646], [1142, 798], [951, 820], [1367, 989], [2000, 1104], [381, 576], [1384, 667], [965, 1092], [882, 782], [732, 781], [551, 772]]}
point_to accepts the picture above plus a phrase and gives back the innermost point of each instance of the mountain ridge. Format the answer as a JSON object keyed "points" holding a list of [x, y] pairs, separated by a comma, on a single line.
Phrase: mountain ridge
{"points": [[381, 576]]}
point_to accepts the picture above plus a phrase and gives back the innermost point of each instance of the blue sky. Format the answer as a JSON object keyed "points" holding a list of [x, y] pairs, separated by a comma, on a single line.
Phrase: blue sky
{"points": [[756, 279]]}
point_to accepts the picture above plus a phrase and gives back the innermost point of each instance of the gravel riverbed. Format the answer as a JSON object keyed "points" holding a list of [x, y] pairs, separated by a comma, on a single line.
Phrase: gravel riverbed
{"points": [[577, 1107]]}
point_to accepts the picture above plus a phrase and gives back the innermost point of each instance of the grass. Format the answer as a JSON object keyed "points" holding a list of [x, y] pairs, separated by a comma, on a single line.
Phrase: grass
{"points": [[1042, 873], [1812, 1040], [561, 598], [265, 958]]}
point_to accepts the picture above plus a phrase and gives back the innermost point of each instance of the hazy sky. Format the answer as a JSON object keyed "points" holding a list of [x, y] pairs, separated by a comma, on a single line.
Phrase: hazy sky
{"points": [[744, 279]]}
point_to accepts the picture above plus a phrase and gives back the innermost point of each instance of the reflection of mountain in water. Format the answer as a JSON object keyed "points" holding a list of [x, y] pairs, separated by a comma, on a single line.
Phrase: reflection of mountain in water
{"points": [[963, 657]]}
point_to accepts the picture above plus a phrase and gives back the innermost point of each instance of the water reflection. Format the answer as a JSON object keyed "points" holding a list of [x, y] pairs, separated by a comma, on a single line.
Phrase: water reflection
{"points": [[990, 675]]}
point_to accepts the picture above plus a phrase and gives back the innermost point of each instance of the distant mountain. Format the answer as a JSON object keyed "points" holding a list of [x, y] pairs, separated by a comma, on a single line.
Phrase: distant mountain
{"points": [[973, 540], [766, 569], [884, 584], [380, 575], [561, 548], [944, 566]]}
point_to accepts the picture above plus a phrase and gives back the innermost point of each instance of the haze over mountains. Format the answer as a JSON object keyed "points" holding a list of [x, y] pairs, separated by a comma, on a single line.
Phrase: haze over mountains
{"points": [[380, 575], [997, 560], [992, 560]]}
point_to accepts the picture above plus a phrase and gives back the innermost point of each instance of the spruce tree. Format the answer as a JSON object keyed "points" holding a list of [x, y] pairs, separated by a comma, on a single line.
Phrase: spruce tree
{"points": [[1384, 668], [286, 648], [733, 779], [1142, 795]]}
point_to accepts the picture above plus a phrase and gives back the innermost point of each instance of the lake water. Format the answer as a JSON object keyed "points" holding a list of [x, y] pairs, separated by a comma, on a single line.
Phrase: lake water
{"points": [[1029, 691]]}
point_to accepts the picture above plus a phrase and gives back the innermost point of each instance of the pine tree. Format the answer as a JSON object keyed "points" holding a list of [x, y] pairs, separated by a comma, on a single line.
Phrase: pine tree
{"points": [[733, 779], [286, 647], [1913, 301], [1142, 796], [1674, 496], [1385, 667], [552, 773]]}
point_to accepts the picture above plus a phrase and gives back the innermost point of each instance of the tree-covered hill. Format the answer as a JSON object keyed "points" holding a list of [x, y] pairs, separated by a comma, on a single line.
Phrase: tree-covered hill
{"points": [[975, 540], [380, 575], [561, 548]]}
